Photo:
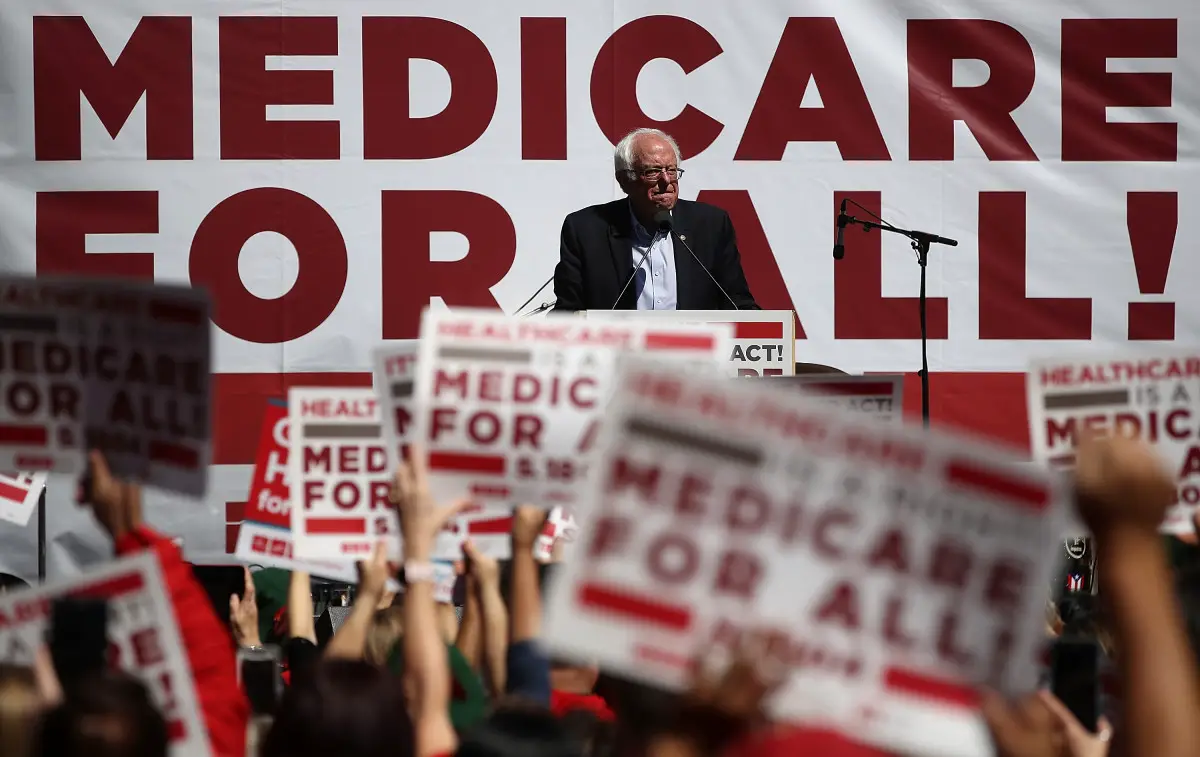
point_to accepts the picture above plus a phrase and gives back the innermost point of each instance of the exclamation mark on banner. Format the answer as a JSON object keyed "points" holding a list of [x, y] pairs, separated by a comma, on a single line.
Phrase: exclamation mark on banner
{"points": [[1153, 219]]}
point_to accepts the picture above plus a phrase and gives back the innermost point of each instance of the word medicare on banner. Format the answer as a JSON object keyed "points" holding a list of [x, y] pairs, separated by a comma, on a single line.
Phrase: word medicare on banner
{"points": [[143, 638], [339, 473], [265, 536], [1151, 395], [510, 407], [878, 396], [142, 355], [924, 557]]}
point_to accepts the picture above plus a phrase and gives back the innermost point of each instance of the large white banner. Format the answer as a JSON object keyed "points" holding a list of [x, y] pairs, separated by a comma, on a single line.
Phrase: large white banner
{"points": [[328, 195]]}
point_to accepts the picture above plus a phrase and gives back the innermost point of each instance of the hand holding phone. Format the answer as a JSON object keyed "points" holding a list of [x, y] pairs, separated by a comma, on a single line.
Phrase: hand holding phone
{"points": [[261, 677]]}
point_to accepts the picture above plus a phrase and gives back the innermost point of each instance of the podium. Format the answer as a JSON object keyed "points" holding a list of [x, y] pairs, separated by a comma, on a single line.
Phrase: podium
{"points": [[764, 341]]}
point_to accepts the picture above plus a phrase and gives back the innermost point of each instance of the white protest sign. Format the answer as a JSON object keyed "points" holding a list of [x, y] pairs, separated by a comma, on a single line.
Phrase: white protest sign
{"points": [[265, 536], [878, 396], [395, 375], [143, 638], [892, 568], [41, 389], [339, 474], [764, 341], [508, 408], [144, 357], [1154, 396], [19, 493]]}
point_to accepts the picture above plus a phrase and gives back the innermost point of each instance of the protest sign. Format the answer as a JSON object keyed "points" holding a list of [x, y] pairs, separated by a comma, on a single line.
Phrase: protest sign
{"points": [[143, 638], [339, 473], [1154, 396], [142, 353], [764, 341], [891, 568], [395, 374], [19, 493], [508, 408], [265, 536], [41, 389], [879, 396]]}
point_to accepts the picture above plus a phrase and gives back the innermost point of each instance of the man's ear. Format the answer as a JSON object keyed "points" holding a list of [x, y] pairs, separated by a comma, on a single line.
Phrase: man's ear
{"points": [[623, 181]]}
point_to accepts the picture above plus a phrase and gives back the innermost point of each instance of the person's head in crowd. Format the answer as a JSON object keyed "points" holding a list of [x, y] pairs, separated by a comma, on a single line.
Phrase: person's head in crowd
{"points": [[19, 709], [107, 714], [349, 708], [386, 631], [519, 730]]}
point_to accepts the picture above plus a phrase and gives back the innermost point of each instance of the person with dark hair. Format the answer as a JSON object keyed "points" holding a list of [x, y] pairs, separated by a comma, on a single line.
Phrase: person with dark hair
{"points": [[348, 708], [106, 714]]}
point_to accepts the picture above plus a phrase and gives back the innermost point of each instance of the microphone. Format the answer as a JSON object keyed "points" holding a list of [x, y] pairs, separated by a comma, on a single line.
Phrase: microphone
{"points": [[535, 294], [670, 228], [662, 219], [839, 244], [541, 308]]}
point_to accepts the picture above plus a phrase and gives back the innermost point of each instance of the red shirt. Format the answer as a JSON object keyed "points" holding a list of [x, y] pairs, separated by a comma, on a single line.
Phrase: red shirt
{"points": [[206, 642]]}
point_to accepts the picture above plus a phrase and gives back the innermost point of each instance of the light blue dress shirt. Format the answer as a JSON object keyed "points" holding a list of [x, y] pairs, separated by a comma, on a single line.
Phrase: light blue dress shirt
{"points": [[654, 284]]}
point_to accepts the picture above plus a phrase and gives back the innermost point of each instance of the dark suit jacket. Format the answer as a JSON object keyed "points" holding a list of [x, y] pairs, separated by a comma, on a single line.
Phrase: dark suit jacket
{"points": [[596, 259]]}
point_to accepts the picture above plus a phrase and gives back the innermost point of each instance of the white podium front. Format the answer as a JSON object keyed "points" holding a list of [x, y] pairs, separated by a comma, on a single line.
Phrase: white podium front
{"points": [[764, 341]]}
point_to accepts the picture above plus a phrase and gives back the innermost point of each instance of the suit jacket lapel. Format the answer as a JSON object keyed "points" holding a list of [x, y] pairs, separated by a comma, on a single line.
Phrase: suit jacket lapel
{"points": [[620, 242], [685, 267]]}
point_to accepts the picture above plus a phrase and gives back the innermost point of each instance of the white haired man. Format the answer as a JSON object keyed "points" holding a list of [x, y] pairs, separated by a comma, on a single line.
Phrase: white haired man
{"points": [[601, 244]]}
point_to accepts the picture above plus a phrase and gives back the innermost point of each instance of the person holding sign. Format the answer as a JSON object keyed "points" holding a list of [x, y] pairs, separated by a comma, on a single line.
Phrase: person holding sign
{"points": [[651, 251]]}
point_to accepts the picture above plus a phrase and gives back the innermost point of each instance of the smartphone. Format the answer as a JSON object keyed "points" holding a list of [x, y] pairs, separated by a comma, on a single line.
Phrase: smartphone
{"points": [[1075, 679], [78, 637], [261, 677]]}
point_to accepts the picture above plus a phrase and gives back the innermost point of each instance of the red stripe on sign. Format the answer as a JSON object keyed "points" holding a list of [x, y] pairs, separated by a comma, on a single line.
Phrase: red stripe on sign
{"points": [[849, 388], [757, 330], [969, 475], [490, 527], [235, 512], [900, 681], [174, 454], [112, 587], [631, 606], [173, 312], [559, 498], [176, 731], [13, 433], [12, 493], [989, 405], [490, 490], [666, 341], [347, 526], [466, 462]]}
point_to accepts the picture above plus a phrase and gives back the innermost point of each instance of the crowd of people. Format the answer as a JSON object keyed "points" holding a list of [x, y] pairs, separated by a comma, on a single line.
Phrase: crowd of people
{"points": [[406, 675]]}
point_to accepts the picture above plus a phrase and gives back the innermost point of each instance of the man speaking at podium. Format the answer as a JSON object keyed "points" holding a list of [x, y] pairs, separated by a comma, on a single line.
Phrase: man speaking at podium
{"points": [[651, 251]]}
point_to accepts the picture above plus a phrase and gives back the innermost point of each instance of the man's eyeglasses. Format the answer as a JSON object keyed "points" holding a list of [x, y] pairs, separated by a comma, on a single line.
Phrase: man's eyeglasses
{"points": [[654, 174]]}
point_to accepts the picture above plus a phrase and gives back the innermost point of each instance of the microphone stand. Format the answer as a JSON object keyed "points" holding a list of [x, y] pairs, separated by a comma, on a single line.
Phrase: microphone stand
{"points": [[921, 240]]}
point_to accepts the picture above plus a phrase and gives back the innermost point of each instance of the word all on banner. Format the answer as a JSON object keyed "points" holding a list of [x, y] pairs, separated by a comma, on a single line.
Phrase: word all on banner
{"points": [[891, 570], [1154, 396], [143, 638], [509, 408]]}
